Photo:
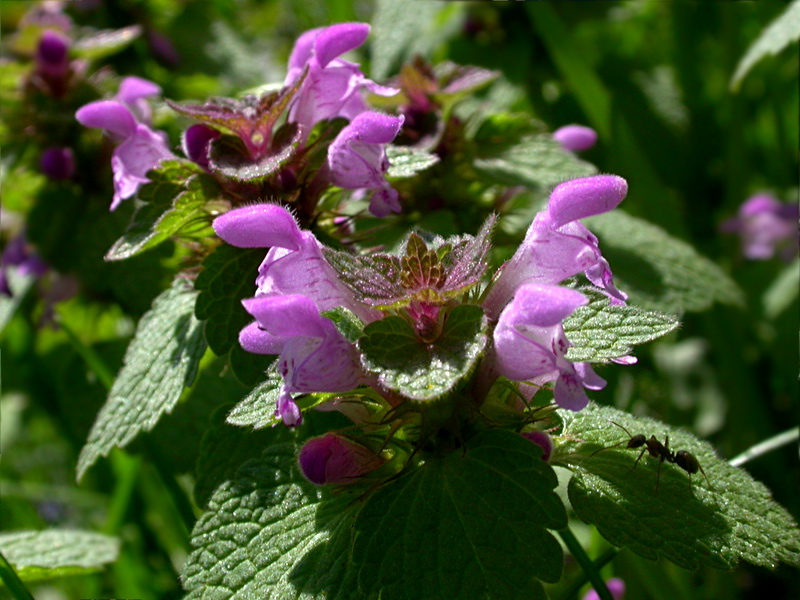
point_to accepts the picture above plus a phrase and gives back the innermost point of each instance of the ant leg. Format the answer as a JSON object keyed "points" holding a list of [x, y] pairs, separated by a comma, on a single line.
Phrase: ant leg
{"points": [[704, 475], [641, 454], [607, 448]]}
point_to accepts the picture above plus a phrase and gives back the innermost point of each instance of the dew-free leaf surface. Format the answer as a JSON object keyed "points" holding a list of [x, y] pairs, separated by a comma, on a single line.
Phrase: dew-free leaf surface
{"points": [[161, 360], [688, 520], [424, 371], [40, 555], [469, 525], [601, 331]]}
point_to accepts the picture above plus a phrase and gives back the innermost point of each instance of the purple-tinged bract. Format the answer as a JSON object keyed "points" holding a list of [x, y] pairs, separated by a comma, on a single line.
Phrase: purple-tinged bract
{"points": [[334, 459]]}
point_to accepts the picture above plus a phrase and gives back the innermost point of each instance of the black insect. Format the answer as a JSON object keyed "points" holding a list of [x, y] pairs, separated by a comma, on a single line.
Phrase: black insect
{"points": [[685, 460]]}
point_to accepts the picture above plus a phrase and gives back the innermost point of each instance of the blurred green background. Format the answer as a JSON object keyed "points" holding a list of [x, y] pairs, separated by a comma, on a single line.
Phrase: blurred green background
{"points": [[653, 78]]}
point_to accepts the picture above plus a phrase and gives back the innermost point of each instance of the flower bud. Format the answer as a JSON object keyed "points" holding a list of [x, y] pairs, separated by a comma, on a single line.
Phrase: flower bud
{"points": [[52, 60], [543, 440], [575, 138], [336, 460], [58, 163]]}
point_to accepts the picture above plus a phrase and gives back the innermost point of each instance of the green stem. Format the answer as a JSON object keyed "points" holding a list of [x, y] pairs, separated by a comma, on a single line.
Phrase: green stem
{"points": [[773, 443], [91, 357], [592, 572], [12, 581], [572, 588]]}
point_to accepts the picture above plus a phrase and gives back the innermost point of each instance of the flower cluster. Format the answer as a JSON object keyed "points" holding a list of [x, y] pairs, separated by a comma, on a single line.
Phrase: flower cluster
{"points": [[525, 305], [247, 143]]}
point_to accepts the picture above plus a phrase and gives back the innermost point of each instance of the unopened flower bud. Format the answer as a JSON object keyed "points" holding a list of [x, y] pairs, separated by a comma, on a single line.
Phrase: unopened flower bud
{"points": [[52, 58], [336, 459], [575, 138], [58, 163], [543, 440]]}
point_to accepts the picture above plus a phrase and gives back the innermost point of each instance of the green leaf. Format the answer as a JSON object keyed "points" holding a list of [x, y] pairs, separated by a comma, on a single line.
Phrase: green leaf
{"points": [[348, 324], [257, 409], [225, 448], [420, 370], [469, 525], [100, 44], [161, 360], [229, 157], [508, 151], [406, 162], [689, 520], [658, 271], [778, 35], [601, 331], [228, 277], [19, 284], [779, 295], [173, 203], [41, 555], [398, 33], [271, 534]]}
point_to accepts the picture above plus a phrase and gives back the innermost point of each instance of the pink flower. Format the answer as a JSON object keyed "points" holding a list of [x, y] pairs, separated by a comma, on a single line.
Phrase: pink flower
{"points": [[332, 87], [357, 159], [334, 459], [141, 149], [575, 138], [766, 226]]}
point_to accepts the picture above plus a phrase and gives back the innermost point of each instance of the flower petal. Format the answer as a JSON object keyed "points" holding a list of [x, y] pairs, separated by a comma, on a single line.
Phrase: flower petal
{"points": [[335, 40], [585, 197], [109, 115], [259, 226]]}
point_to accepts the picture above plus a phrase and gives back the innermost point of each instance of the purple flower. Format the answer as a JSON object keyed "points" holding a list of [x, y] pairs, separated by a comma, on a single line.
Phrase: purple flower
{"points": [[332, 87], [557, 246], [575, 138], [294, 263], [141, 148], [58, 163], [530, 345], [615, 585], [133, 92], [334, 459], [766, 226], [357, 159], [52, 55], [314, 357], [18, 255]]}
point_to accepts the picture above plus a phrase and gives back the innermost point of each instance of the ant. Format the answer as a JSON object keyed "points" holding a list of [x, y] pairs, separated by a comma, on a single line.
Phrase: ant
{"points": [[685, 460]]}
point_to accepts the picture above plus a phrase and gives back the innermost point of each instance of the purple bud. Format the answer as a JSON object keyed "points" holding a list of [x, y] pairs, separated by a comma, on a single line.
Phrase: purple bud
{"points": [[58, 163], [585, 197], [196, 142], [543, 440], [333, 459], [52, 55], [575, 138]]}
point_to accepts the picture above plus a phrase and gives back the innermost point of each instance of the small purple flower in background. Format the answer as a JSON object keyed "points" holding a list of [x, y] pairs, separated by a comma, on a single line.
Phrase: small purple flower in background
{"points": [[314, 357], [18, 255], [615, 585], [294, 263], [334, 459], [52, 61], [557, 246], [766, 227], [58, 163], [530, 345], [332, 87], [141, 148], [357, 159], [575, 138]]}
